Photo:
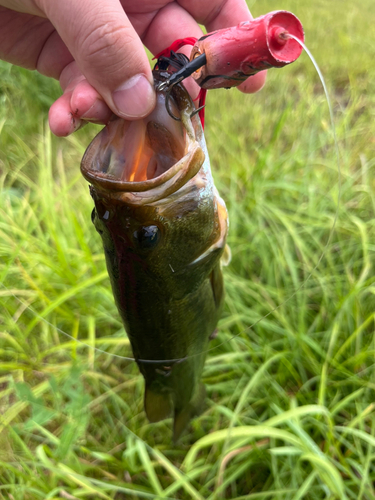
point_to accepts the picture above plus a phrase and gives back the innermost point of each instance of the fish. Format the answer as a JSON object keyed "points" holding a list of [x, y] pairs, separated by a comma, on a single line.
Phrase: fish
{"points": [[164, 228]]}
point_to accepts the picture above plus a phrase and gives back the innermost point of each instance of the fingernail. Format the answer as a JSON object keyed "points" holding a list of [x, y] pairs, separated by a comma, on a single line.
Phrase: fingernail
{"points": [[98, 112], [135, 98]]}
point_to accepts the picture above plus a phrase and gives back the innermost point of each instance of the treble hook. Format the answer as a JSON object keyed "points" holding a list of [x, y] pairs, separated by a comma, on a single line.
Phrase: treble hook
{"points": [[186, 70], [167, 98]]}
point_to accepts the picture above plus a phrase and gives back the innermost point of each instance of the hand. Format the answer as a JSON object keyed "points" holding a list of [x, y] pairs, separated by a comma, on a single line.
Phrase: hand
{"points": [[95, 48]]}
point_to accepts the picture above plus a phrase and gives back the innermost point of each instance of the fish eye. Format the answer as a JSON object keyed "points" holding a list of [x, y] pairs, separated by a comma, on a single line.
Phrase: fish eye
{"points": [[147, 236]]}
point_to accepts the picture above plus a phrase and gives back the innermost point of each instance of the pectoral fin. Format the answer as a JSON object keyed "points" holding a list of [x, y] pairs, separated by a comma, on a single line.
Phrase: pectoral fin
{"points": [[217, 285], [227, 256], [193, 408]]}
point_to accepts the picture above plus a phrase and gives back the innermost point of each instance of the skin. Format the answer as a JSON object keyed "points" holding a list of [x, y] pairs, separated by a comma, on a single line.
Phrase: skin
{"points": [[95, 49]]}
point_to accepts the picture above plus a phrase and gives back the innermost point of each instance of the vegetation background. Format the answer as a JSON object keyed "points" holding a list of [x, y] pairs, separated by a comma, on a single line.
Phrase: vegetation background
{"points": [[290, 411]]}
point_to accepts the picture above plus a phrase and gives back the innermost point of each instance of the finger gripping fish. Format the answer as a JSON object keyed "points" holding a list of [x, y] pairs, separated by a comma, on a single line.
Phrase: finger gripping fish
{"points": [[163, 227]]}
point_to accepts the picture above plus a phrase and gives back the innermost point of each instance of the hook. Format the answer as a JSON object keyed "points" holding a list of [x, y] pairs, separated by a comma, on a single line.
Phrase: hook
{"points": [[167, 97], [197, 110]]}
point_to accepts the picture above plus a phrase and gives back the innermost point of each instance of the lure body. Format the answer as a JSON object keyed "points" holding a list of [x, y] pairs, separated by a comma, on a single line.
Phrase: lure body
{"points": [[226, 58], [163, 227], [234, 54]]}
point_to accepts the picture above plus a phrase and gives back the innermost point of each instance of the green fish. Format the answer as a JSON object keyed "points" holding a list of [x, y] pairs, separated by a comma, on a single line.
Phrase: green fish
{"points": [[164, 228]]}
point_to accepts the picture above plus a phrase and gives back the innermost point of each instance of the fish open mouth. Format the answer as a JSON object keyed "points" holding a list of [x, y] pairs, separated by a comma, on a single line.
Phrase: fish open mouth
{"points": [[144, 160]]}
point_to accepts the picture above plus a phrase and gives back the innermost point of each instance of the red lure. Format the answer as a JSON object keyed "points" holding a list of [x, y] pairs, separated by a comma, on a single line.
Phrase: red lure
{"points": [[225, 58]]}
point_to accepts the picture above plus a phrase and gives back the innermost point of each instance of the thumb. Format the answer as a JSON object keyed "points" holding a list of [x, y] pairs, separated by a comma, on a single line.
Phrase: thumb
{"points": [[107, 50]]}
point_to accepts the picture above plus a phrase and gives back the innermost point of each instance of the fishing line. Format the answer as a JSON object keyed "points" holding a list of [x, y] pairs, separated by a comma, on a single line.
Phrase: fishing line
{"points": [[179, 360], [37, 315]]}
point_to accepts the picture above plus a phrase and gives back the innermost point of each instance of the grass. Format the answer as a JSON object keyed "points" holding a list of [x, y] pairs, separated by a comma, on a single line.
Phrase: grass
{"points": [[290, 410]]}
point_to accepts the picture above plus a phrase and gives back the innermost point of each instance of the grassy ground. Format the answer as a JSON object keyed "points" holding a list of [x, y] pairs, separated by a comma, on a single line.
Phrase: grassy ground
{"points": [[290, 410]]}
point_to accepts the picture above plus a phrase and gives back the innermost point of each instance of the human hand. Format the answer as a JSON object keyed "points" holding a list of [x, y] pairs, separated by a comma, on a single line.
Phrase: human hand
{"points": [[95, 48]]}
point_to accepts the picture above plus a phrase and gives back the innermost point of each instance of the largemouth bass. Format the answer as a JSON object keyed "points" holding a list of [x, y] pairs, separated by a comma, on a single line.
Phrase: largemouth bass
{"points": [[163, 227]]}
